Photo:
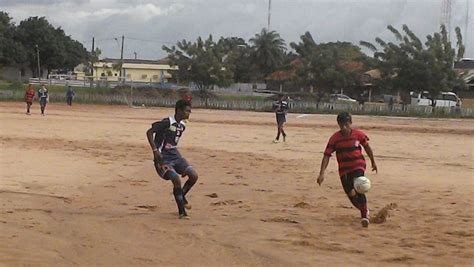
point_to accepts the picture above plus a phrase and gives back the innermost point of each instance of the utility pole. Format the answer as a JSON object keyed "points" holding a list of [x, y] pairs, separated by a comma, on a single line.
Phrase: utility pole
{"points": [[269, 14], [121, 59], [92, 57], [38, 56], [135, 53], [446, 16], [466, 30]]}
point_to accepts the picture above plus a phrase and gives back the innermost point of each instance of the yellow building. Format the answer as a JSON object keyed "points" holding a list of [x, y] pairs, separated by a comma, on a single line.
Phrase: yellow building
{"points": [[137, 70]]}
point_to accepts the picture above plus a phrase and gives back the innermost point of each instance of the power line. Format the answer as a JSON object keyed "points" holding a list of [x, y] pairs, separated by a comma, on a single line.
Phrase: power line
{"points": [[150, 41]]}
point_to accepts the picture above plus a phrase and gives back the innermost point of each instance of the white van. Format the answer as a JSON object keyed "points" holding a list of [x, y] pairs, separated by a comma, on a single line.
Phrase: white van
{"points": [[444, 99]]}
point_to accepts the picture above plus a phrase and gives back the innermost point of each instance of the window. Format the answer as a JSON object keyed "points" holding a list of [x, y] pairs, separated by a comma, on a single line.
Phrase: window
{"points": [[155, 77], [449, 97], [144, 76]]}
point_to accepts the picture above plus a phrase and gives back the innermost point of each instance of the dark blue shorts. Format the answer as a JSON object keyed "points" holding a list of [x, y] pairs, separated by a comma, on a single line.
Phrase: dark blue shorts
{"points": [[172, 168], [281, 119], [43, 101]]}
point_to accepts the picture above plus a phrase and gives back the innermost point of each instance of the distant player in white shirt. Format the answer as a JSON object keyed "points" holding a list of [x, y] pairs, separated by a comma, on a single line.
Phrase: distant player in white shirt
{"points": [[281, 109]]}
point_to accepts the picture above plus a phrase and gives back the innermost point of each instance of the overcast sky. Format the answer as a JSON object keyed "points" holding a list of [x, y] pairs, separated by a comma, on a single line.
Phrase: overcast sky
{"points": [[148, 24]]}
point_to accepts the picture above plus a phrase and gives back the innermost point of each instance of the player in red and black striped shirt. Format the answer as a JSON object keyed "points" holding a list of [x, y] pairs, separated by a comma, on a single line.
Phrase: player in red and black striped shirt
{"points": [[348, 145]]}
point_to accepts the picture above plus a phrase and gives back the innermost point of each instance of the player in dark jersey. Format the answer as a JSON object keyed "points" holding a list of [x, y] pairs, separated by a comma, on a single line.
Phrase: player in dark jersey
{"points": [[43, 97], [281, 109], [348, 145], [169, 163]]}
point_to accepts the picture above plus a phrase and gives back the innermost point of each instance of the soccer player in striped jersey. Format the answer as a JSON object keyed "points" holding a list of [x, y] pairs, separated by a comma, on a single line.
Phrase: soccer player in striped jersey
{"points": [[281, 109], [348, 145], [29, 96], [163, 137]]}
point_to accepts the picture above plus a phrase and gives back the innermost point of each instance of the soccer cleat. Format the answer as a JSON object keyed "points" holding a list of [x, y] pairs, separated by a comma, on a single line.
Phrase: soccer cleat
{"points": [[186, 204], [365, 222], [275, 141], [284, 138], [184, 216]]}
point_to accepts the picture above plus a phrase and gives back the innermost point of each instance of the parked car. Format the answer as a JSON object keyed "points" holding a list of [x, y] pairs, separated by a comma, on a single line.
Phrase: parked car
{"points": [[444, 99], [341, 98]]}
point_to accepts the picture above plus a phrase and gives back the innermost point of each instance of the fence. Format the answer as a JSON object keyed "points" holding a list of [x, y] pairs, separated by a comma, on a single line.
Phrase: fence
{"points": [[256, 105]]}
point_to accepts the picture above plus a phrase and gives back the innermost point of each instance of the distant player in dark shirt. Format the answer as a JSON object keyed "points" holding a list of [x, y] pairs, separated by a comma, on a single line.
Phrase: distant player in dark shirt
{"points": [[43, 96], [348, 145], [281, 109], [163, 137]]}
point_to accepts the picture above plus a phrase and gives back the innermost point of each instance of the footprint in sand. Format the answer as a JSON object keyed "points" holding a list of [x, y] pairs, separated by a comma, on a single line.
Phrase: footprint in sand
{"points": [[302, 205], [399, 259], [263, 190], [147, 207], [226, 202], [280, 220], [213, 195]]}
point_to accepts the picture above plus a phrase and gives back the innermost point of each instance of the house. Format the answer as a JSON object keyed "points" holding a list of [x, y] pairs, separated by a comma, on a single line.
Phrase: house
{"points": [[137, 70], [465, 68]]}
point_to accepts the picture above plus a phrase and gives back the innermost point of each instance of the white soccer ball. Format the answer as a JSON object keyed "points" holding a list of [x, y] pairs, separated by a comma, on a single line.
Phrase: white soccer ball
{"points": [[362, 184]]}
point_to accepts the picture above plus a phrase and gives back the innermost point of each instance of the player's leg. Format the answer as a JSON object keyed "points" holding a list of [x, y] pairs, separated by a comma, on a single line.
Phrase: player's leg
{"points": [[277, 138], [28, 106], [168, 173], [283, 131], [182, 167], [278, 129], [358, 200], [178, 193], [43, 105]]}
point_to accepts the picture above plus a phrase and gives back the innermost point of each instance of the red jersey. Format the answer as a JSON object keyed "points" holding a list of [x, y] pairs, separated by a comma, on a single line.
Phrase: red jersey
{"points": [[348, 150], [29, 95]]}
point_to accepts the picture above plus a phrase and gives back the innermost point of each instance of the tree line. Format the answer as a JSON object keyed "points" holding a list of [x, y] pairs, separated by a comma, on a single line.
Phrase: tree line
{"points": [[56, 49], [405, 64]]}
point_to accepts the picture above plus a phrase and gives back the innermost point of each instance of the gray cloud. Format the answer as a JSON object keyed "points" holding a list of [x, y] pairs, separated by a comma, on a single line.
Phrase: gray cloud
{"points": [[38, 2], [146, 24]]}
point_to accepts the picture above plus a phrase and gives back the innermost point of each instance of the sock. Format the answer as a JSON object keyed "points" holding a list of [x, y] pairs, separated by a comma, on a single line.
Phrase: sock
{"points": [[360, 202], [278, 135], [178, 196]]}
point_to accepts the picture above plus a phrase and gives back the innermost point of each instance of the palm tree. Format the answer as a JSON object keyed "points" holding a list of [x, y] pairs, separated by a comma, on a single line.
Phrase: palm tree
{"points": [[268, 51]]}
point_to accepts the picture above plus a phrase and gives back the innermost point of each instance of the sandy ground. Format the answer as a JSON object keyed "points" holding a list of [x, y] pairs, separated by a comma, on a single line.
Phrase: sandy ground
{"points": [[78, 187]]}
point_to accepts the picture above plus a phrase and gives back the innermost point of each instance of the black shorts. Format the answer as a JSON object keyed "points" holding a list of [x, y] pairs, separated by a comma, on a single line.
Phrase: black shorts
{"points": [[171, 168], [281, 119], [43, 102], [347, 180]]}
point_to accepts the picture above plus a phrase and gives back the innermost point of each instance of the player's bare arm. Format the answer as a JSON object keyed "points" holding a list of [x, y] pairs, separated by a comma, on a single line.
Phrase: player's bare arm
{"points": [[324, 165], [370, 153], [156, 154]]}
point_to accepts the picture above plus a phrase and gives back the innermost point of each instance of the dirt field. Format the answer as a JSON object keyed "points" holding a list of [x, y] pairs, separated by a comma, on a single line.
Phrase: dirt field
{"points": [[78, 187]]}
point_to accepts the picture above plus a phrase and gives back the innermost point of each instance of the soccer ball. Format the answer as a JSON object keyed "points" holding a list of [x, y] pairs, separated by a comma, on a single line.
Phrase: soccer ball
{"points": [[362, 184]]}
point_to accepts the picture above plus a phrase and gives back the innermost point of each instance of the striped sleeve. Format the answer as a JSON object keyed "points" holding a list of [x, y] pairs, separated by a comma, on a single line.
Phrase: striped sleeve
{"points": [[363, 138], [331, 147]]}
